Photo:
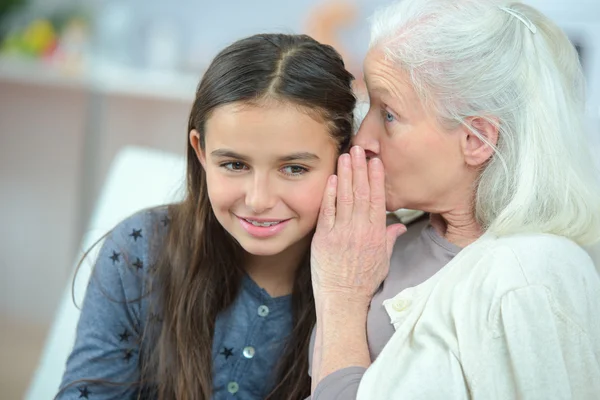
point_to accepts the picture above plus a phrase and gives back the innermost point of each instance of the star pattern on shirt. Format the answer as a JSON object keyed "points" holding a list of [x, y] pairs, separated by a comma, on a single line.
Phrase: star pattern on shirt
{"points": [[128, 354], [135, 234], [138, 264], [124, 337], [84, 393], [115, 257], [155, 317], [227, 352], [126, 348]]}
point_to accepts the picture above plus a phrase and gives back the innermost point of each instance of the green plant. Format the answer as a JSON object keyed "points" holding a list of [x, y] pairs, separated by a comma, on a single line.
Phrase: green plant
{"points": [[9, 5]]}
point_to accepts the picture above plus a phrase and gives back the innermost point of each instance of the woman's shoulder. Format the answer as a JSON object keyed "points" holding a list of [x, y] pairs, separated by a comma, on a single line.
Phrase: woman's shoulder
{"points": [[515, 261], [540, 249], [520, 266], [546, 257]]}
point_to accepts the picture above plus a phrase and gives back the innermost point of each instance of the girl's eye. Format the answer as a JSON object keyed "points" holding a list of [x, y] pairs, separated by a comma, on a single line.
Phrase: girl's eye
{"points": [[234, 166], [294, 170]]}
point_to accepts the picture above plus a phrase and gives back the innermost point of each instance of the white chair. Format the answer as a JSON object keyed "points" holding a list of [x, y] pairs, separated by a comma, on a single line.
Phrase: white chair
{"points": [[138, 178]]}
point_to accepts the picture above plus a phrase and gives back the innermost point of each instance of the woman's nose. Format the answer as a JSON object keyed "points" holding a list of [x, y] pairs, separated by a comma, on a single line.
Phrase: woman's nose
{"points": [[367, 135]]}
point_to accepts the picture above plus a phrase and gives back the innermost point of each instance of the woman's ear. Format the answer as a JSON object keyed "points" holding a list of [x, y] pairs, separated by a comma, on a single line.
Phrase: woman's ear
{"points": [[477, 149], [195, 142]]}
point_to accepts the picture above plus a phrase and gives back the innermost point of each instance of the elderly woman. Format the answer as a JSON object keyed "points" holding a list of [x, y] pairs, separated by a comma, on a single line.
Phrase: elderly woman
{"points": [[476, 112]]}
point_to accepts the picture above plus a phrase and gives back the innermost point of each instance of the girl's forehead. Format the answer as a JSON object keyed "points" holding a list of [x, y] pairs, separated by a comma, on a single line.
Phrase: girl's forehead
{"points": [[278, 126]]}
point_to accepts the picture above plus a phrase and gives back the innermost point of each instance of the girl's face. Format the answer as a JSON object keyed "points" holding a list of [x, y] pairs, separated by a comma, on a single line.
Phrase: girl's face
{"points": [[266, 170]]}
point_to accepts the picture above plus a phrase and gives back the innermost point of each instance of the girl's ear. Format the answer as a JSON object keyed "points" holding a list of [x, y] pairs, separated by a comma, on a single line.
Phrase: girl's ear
{"points": [[195, 142]]}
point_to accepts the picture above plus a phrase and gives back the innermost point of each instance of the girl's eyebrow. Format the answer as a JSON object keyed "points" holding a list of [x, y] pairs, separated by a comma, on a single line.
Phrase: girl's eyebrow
{"points": [[225, 153], [303, 155]]}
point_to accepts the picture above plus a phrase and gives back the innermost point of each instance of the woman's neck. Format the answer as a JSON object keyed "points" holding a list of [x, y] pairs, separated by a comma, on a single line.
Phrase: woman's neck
{"points": [[276, 273], [458, 226]]}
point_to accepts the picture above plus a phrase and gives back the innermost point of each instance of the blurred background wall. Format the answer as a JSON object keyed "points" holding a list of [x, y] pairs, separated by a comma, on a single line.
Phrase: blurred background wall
{"points": [[79, 80]]}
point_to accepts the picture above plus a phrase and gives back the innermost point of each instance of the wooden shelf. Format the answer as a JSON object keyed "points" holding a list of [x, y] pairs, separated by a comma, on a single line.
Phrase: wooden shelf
{"points": [[103, 78]]}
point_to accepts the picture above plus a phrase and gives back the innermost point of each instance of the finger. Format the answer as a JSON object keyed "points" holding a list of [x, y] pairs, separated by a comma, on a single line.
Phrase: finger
{"points": [[344, 190], [377, 191], [393, 232], [326, 219], [360, 183]]}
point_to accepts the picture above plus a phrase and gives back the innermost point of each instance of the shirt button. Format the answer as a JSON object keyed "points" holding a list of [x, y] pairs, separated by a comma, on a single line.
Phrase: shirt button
{"points": [[249, 352], [233, 387], [401, 305], [263, 311]]}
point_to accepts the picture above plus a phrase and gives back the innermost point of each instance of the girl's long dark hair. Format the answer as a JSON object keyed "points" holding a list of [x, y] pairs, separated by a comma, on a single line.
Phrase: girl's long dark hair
{"points": [[198, 255]]}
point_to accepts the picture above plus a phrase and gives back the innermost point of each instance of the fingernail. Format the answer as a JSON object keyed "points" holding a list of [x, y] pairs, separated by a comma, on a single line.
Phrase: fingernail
{"points": [[375, 161], [356, 150], [345, 160]]}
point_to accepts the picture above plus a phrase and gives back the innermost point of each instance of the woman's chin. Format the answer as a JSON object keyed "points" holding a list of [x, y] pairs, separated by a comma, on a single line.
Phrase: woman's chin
{"points": [[394, 205]]}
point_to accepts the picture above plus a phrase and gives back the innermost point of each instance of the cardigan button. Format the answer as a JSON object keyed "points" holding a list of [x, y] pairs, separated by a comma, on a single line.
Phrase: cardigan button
{"points": [[401, 305]]}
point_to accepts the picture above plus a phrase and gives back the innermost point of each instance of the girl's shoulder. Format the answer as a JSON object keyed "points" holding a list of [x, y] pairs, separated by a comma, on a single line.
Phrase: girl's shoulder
{"points": [[125, 261], [144, 225], [142, 233]]}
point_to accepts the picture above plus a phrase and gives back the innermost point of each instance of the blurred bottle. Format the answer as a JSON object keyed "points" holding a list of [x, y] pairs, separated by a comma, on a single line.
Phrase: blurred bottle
{"points": [[163, 49], [116, 34]]}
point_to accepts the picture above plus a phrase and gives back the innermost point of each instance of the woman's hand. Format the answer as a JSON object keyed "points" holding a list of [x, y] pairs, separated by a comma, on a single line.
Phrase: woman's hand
{"points": [[350, 257], [352, 246]]}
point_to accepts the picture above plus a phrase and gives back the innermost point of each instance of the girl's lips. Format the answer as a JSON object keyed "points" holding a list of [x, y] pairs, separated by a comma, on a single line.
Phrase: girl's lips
{"points": [[263, 231]]}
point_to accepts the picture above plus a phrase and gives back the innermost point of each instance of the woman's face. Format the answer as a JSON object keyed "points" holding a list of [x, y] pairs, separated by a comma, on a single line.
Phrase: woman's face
{"points": [[266, 170], [424, 164]]}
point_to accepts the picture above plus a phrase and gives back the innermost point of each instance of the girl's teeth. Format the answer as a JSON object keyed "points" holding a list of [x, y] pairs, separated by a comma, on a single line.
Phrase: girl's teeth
{"points": [[263, 224]]}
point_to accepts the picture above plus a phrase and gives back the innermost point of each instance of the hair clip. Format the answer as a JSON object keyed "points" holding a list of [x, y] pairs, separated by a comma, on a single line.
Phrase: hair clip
{"points": [[521, 18]]}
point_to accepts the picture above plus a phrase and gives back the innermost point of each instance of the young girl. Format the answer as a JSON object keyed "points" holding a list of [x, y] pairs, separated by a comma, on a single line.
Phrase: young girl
{"points": [[211, 298]]}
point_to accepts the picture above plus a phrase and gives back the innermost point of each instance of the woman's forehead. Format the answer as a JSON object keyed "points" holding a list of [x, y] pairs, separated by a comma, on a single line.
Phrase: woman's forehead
{"points": [[388, 83]]}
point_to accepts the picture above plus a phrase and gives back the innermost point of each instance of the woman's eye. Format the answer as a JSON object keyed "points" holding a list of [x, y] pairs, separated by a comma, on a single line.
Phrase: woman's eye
{"points": [[294, 170], [389, 117], [234, 166]]}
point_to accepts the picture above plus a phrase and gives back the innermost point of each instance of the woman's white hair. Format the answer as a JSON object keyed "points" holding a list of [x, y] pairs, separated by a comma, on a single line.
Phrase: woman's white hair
{"points": [[508, 63]]}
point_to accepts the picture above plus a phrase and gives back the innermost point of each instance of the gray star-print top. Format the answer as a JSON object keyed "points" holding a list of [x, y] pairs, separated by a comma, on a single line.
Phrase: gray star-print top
{"points": [[248, 340]]}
